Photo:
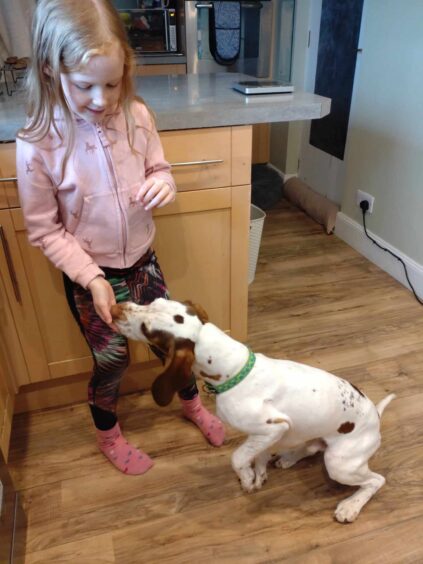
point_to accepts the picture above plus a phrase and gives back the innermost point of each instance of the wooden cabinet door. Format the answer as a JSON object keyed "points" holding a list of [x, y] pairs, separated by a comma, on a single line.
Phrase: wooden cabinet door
{"points": [[13, 274], [200, 238], [192, 246], [7, 400], [10, 341]]}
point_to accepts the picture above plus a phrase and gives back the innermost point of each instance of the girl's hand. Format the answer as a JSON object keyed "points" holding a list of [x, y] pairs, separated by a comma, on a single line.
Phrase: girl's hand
{"points": [[103, 299], [155, 193]]}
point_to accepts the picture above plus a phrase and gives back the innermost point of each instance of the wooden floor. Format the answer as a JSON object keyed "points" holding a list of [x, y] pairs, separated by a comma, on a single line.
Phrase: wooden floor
{"points": [[314, 300]]}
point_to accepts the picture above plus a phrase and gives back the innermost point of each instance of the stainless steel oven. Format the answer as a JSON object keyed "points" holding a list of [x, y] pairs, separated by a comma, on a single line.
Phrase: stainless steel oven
{"points": [[254, 29], [151, 25]]}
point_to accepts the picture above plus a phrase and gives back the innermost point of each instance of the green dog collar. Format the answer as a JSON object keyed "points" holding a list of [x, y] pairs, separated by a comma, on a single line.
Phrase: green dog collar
{"points": [[243, 373]]}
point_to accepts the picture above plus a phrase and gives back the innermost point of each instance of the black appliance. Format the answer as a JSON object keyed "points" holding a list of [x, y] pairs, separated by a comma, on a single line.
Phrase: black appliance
{"points": [[151, 25]]}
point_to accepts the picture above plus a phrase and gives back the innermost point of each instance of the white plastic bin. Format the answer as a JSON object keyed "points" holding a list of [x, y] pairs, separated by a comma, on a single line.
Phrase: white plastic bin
{"points": [[257, 217]]}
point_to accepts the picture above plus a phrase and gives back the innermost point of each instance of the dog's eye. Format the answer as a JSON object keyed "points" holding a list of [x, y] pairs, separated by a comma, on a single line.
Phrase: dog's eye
{"points": [[178, 318]]}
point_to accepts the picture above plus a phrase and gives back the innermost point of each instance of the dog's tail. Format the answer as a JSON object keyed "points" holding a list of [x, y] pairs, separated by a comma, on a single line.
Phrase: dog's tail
{"points": [[382, 404]]}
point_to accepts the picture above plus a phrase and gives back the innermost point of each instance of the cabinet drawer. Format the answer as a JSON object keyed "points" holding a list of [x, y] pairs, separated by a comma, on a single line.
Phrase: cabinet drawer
{"points": [[200, 158], [8, 186]]}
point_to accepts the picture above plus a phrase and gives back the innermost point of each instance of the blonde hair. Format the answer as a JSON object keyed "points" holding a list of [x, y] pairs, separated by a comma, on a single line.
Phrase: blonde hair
{"points": [[65, 35]]}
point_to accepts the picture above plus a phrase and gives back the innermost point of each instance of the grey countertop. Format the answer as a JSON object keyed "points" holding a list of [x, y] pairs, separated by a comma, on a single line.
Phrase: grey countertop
{"points": [[195, 101]]}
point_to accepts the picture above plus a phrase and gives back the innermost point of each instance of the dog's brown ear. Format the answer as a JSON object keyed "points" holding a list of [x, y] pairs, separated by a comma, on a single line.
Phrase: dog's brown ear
{"points": [[162, 390], [196, 309], [177, 372]]}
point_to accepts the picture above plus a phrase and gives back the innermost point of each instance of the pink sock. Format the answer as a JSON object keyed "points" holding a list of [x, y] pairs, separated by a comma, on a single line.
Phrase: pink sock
{"points": [[121, 454], [211, 427]]}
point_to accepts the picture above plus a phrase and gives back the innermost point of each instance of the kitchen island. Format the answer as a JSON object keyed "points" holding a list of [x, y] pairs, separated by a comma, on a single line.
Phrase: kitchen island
{"points": [[202, 238]]}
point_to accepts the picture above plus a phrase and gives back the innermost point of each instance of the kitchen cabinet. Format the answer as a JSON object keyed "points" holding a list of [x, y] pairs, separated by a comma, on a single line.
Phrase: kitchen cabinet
{"points": [[201, 244]]}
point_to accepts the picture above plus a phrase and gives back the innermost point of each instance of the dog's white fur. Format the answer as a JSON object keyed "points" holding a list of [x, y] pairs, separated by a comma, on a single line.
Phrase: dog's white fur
{"points": [[284, 407]]}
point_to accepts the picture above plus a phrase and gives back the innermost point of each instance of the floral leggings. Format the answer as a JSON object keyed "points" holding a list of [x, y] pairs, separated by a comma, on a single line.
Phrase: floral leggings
{"points": [[142, 283]]}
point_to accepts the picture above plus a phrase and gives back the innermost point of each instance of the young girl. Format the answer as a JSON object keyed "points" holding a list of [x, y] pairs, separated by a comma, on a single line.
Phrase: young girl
{"points": [[90, 170]]}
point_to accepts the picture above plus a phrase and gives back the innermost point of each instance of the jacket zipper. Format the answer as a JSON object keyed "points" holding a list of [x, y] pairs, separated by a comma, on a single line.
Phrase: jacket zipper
{"points": [[106, 151]]}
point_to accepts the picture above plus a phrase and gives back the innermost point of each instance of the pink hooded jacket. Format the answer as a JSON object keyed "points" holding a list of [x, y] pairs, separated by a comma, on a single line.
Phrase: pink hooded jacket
{"points": [[90, 217]]}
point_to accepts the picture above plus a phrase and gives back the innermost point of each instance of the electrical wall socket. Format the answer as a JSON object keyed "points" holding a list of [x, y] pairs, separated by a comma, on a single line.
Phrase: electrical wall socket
{"points": [[365, 196]]}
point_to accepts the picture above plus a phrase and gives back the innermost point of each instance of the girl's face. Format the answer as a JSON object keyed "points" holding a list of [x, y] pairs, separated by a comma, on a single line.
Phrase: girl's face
{"points": [[94, 89]]}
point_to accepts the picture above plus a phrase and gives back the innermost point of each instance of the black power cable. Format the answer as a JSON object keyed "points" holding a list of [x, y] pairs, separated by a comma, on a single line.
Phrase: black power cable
{"points": [[364, 205]]}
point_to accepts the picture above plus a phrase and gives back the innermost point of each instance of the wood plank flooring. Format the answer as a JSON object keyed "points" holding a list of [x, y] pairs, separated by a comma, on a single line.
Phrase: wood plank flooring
{"points": [[314, 300]]}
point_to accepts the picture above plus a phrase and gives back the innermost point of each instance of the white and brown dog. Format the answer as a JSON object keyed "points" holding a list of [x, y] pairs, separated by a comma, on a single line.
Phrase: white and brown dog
{"points": [[283, 406]]}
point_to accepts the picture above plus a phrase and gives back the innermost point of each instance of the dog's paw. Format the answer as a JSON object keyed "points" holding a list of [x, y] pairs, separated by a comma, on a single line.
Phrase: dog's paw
{"points": [[248, 488], [347, 511], [261, 477], [247, 478], [285, 460]]}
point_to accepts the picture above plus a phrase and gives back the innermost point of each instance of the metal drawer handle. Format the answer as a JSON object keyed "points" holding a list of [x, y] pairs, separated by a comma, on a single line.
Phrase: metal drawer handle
{"points": [[10, 266], [11, 179], [208, 5], [191, 163]]}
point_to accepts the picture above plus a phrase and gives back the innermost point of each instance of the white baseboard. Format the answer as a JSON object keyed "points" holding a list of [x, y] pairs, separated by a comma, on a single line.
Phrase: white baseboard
{"points": [[288, 176], [353, 234], [281, 173], [277, 170]]}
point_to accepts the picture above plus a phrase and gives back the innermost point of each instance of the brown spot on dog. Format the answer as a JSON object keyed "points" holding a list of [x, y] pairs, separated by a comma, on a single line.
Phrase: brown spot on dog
{"points": [[323, 443], [178, 318], [346, 427], [160, 339], [211, 376], [116, 311], [357, 390], [196, 309], [277, 420]]}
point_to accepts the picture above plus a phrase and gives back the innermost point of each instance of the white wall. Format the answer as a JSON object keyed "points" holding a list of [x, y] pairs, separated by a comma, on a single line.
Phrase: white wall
{"points": [[384, 154]]}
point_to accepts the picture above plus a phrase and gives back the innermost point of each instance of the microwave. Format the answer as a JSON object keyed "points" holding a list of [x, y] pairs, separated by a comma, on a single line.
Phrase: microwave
{"points": [[151, 25]]}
